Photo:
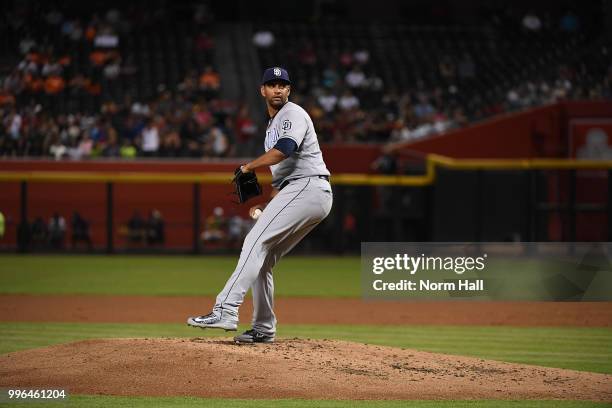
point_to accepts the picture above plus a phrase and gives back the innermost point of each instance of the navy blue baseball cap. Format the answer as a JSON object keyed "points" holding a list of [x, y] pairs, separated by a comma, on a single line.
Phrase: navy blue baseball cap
{"points": [[275, 74]]}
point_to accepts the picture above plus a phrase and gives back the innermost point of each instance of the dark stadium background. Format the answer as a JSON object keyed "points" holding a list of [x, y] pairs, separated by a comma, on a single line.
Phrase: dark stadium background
{"points": [[82, 82]]}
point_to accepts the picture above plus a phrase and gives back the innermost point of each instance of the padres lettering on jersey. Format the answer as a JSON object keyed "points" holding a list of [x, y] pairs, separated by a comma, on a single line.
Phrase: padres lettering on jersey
{"points": [[293, 122]]}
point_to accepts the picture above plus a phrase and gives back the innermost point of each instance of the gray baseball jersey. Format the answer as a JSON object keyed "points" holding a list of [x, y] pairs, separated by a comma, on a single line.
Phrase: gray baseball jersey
{"points": [[293, 121], [299, 207]]}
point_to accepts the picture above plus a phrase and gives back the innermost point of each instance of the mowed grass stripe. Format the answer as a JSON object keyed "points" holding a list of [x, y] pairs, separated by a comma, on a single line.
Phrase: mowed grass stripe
{"points": [[440, 336], [96, 401], [529, 348], [509, 337], [170, 275]]}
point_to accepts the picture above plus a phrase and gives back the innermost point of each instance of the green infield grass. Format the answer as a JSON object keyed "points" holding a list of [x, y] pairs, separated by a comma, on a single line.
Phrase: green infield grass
{"points": [[586, 349], [91, 401]]}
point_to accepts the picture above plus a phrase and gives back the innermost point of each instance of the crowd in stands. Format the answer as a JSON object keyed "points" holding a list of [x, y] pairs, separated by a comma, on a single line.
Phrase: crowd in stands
{"points": [[351, 100], [42, 109], [171, 125]]}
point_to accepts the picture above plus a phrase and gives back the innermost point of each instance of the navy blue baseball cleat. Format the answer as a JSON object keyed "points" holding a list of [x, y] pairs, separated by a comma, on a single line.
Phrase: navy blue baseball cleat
{"points": [[253, 336]]}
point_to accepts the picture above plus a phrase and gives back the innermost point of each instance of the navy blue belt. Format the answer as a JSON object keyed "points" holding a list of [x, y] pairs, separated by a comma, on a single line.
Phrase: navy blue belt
{"points": [[286, 182]]}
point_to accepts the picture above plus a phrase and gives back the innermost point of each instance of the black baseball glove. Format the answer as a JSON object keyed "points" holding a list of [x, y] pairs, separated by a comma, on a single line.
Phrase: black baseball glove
{"points": [[246, 185]]}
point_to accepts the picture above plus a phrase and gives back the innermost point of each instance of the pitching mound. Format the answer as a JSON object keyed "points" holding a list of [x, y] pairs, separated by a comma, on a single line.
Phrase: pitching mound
{"points": [[290, 368]]}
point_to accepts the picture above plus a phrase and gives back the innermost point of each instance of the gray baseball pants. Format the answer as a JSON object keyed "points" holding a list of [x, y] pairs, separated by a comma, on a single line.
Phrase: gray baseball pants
{"points": [[289, 217]]}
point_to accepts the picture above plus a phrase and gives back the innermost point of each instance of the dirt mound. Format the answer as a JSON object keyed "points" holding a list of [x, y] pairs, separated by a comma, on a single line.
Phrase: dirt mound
{"points": [[290, 368]]}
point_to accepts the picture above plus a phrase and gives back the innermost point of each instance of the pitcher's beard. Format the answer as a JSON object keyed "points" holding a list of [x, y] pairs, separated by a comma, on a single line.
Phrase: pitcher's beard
{"points": [[277, 103]]}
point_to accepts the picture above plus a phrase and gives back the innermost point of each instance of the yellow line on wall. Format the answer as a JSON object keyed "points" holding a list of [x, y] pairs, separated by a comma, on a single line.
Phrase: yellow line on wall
{"points": [[432, 162]]}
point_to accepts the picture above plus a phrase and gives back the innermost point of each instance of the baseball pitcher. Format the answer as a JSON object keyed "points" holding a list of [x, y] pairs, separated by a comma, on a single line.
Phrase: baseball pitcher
{"points": [[301, 198]]}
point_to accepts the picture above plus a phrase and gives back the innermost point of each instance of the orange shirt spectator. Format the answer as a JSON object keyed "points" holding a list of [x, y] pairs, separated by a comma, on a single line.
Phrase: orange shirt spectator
{"points": [[6, 98], [54, 84], [34, 84], [210, 79], [64, 61], [92, 88], [98, 58], [90, 33]]}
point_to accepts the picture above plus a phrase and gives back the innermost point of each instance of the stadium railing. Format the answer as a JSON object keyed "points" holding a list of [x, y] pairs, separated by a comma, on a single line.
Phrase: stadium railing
{"points": [[433, 163]]}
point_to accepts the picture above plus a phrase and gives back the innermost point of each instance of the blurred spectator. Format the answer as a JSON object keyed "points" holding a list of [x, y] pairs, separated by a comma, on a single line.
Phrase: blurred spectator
{"points": [[210, 79], [569, 23], [246, 133], [423, 108], [263, 39], [54, 84], [91, 30], [80, 231], [98, 58], [14, 121], [155, 228], [111, 149], [113, 68], [328, 101], [235, 231], [217, 144], [13, 83], [128, 150], [26, 44], [171, 144], [330, 76], [150, 139], [346, 58], [106, 38], [374, 83], [72, 29], [57, 148], [215, 229], [2, 225], [355, 78], [348, 101], [52, 68], [57, 231], [137, 228], [85, 146], [531, 22], [362, 56]]}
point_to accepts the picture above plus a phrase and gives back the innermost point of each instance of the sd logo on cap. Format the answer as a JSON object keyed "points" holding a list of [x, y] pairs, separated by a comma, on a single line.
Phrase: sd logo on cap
{"points": [[275, 74]]}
